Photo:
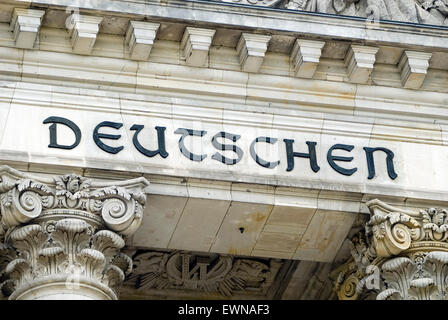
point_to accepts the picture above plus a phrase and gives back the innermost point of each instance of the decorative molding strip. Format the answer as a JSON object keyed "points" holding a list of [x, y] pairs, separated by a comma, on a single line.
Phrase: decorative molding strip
{"points": [[140, 38], [251, 49], [305, 57], [195, 45], [359, 63], [414, 66], [83, 32], [25, 25]]}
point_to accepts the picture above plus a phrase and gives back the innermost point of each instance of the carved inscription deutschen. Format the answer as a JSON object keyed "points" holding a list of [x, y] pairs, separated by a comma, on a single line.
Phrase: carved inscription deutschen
{"points": [[218, 140]]}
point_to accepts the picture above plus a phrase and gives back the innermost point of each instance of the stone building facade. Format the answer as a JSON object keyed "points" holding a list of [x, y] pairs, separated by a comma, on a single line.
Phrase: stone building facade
{"points": [[234, 149]]}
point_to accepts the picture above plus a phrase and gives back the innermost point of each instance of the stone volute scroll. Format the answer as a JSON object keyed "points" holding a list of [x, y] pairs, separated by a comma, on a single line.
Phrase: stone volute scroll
{"points": [[400, 255], [61, 236]]}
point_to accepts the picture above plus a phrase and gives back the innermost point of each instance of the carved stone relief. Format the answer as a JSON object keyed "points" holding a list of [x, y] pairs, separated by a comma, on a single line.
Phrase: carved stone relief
{"points": [[433, 12], [66, 233], [402, 255], [219, 275]]}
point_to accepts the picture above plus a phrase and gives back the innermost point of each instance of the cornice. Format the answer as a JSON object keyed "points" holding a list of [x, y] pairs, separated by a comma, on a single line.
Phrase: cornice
{"points": [[104, 32], [272, 20]]}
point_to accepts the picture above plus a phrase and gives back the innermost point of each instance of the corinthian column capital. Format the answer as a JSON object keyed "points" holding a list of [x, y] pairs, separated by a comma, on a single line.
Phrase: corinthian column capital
{"points": [[62, 235], [401, 254]]}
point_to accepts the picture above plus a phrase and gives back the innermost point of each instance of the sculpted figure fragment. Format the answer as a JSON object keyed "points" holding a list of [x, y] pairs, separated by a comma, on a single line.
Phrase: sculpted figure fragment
{"points": [[438, 9], [402, 254], [433, 12], [415, 11]]}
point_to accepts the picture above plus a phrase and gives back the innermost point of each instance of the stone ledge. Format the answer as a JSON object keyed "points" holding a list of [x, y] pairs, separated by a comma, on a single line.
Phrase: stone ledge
{"points": [[272, 20], [236, 90]]}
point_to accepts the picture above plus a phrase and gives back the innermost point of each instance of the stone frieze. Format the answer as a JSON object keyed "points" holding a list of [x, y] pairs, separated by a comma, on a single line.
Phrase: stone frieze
{"points": [[218, 275], [434, 12]]}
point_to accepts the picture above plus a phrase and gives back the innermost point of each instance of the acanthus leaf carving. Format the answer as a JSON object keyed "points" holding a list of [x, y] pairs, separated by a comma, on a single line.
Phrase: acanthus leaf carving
{"points": [[107, 242], [66, 229], [218, 274], [390, 263], [69, 251]]}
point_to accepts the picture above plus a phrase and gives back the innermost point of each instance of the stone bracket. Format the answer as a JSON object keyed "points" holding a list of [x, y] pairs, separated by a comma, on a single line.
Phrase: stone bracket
{"points": [[83, 32], [251, 49], [305, 57], [140, 38], [359, 63], [195, 45], [414, 66], [25, 25]]}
